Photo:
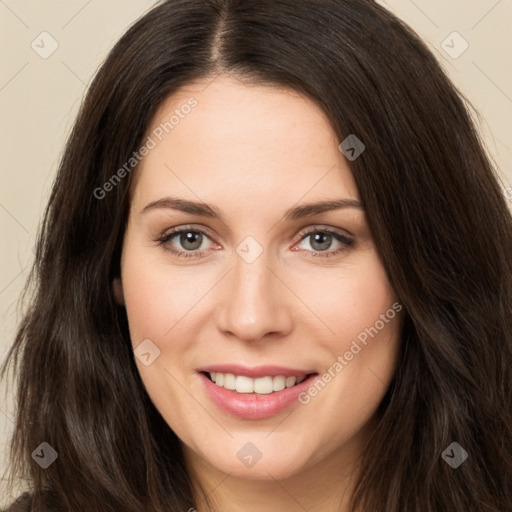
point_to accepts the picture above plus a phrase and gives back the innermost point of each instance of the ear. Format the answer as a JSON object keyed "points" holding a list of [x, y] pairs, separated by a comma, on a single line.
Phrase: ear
{"points": [[117, 288]]}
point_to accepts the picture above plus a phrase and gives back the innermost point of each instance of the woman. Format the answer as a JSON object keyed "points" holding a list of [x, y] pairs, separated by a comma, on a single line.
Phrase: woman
{"points": [[274, 274]]}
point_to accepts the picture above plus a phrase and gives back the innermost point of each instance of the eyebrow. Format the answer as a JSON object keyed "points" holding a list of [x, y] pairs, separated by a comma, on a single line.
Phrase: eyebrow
{"points": [[210, 211]]}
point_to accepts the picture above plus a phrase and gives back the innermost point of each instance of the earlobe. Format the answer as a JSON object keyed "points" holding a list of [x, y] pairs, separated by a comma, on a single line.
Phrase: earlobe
{"points": [[117, 288]]}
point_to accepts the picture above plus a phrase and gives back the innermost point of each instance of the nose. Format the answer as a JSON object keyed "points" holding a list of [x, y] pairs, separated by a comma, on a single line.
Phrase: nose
{"points": [[254, 303]]}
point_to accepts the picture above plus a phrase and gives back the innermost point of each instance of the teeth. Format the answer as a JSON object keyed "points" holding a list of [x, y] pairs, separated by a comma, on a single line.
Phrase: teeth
{"points": [[264, 385], [278, 383], [260, 386], [229, 381], [244, 384], [290, 381]]}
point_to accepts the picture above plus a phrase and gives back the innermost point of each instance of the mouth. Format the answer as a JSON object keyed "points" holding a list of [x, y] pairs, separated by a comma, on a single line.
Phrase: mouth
{"points": [[254, 393], [265, 385]]}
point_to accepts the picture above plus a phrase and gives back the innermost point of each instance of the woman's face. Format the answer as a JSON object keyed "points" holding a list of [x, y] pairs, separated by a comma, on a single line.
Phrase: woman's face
{"points": [[259, 288]]}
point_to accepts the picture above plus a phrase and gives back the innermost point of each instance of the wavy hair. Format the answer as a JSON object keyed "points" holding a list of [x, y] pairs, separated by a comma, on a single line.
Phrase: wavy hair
{"points": [[438, 218]]}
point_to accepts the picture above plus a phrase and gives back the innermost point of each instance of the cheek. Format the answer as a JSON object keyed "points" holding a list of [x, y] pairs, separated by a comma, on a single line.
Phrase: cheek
{"points": [[362, 311], [369, 323], [350, 298], [160, 307], [156, 301]]}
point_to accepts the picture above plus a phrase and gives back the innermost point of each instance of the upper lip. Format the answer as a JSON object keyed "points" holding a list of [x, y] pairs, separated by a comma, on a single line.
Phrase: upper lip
{"points": [[255, 371]]}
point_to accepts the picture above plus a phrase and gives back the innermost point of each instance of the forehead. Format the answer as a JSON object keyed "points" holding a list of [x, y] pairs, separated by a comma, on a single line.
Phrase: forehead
{"points": [[226, 139]]}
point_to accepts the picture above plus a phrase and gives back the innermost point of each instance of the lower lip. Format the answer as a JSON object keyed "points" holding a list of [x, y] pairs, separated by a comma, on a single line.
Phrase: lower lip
{"points": [[252, 406]]}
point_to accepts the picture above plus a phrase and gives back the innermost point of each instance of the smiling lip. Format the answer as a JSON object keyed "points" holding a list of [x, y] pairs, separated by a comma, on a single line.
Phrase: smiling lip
{"points": [[255, 371], [252, 405]]}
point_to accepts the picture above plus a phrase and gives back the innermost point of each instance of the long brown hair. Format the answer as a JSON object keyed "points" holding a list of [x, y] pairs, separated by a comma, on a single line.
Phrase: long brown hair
{"points": [[438, 218]]}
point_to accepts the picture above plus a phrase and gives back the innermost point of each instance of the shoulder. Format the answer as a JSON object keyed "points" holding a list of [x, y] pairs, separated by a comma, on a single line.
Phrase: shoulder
{"points": [[22, 504]]}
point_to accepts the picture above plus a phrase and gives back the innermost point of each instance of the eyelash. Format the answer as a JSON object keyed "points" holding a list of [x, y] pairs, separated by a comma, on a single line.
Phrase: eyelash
{"points": [[345, 241]]}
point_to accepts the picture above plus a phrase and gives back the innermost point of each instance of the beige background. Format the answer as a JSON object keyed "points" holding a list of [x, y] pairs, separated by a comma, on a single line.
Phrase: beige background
{"points": [[39, 98]]}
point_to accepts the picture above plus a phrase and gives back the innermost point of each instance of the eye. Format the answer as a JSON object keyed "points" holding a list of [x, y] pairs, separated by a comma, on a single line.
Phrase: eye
{"points": [[185, 242], [188, 242], [322, 240]]}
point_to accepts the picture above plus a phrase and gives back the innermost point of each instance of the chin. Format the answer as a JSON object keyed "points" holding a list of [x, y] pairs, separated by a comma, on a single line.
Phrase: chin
{"points": [[259, 458]]}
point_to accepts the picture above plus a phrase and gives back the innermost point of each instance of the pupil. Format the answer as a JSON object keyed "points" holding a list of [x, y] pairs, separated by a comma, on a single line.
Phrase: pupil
{"points": [[324, 241], [191, 240]]}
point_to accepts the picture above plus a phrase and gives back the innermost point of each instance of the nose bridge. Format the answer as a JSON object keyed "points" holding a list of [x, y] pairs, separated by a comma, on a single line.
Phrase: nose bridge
{"points": [[253, 306], [252, 280]]}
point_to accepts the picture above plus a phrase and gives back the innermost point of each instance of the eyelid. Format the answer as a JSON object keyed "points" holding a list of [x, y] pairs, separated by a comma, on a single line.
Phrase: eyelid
{"points": [[327, 229], [341, 237], [187, 227], [171, 233], [345, 241]]}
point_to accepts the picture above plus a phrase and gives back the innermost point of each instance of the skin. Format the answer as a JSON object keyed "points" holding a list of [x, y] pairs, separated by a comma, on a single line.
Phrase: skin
{"points": [[253, 152]]}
